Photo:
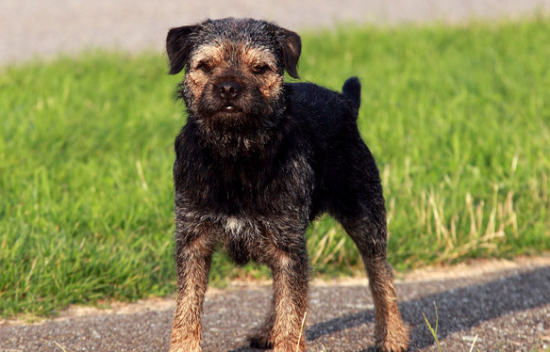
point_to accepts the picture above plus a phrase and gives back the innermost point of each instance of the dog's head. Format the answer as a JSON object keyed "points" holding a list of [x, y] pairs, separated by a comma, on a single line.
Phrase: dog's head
{"points": [[234, 68]]}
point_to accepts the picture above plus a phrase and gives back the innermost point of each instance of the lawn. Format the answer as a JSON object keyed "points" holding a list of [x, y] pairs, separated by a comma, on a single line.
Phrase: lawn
{"points": [[458, 118]]}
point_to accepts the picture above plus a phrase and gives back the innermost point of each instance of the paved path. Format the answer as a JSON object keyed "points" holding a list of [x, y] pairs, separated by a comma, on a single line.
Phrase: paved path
{"points": [[30, 28], [508, 307]]}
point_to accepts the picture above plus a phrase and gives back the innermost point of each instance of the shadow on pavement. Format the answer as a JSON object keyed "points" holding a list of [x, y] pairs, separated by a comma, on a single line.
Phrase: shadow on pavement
{"points": [[457, 309]]}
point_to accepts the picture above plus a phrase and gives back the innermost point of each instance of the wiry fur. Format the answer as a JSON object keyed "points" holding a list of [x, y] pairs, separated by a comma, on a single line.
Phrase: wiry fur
{"points": [[257, 161]]}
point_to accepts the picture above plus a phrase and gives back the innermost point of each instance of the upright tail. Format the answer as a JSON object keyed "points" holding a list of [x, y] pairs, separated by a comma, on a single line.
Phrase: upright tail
{"points": [[352, 90]]}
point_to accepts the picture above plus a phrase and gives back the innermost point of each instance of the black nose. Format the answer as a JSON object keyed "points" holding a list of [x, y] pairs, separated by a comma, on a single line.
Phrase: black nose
{"points": [[229, 90]]}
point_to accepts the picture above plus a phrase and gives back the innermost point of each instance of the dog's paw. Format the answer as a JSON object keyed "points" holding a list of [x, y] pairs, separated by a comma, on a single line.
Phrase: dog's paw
{"points": [[184, 349], [377, 349], [261, 341]]}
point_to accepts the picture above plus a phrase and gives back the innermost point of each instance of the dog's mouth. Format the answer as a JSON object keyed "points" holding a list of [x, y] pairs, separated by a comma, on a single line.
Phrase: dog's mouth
{"points": [[229, 108]]}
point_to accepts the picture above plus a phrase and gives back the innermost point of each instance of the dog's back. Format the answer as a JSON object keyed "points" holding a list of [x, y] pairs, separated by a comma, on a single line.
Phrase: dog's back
{"points": [[322, 109]]}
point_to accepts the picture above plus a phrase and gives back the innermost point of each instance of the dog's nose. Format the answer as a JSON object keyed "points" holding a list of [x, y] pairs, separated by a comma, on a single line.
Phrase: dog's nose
{"points": [[229, 90]]}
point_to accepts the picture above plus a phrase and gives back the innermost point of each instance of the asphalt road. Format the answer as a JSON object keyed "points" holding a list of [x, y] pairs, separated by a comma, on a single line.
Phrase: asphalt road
{"points": [[506, 308]]}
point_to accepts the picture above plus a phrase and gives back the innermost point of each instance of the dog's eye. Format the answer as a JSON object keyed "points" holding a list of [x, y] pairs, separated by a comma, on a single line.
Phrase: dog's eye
{"points": [[204, 66], [260, 69]]}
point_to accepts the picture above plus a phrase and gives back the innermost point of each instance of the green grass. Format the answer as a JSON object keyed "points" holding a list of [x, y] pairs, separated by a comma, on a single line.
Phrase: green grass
{"points": [[457, 117]]}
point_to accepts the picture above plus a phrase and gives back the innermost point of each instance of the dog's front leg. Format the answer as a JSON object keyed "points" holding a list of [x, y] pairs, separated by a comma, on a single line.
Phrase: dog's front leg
{"points": [[290, 283], [193, 258]]}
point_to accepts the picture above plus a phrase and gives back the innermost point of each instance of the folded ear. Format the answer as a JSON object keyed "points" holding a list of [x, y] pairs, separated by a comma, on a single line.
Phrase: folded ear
{"points": [[179, 43], [291, 45]]}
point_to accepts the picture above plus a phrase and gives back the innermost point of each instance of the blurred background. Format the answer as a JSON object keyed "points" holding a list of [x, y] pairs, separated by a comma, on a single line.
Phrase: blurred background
{"points": [[46, 27]]}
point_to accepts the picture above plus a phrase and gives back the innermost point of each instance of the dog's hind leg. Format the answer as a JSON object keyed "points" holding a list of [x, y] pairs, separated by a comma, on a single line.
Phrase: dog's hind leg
{"points": [[261, 338], [369, 234]]}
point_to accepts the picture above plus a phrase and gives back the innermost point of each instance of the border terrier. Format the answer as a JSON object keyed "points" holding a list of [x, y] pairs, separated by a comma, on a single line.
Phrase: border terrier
{"points": [[256, 162]]}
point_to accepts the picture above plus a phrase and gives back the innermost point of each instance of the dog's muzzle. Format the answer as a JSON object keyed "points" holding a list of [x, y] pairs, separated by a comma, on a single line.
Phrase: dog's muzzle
{"points": [[228, 91]]}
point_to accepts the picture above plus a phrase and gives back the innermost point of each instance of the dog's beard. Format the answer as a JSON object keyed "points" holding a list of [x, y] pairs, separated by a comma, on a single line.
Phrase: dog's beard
{"points": [[248, 113], [228, 136], [244, 130]]}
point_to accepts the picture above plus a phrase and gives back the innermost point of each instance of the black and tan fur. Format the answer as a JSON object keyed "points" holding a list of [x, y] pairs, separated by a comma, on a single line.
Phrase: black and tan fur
{"points": [[256, 162]]}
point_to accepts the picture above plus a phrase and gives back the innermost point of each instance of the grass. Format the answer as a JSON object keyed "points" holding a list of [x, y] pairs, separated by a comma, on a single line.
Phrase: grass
{"points": [[433, 331], [457, 117]]}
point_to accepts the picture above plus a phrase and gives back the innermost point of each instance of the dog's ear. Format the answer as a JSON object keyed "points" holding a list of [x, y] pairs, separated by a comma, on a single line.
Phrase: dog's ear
{"points": [[291, 44], [179, 43]]}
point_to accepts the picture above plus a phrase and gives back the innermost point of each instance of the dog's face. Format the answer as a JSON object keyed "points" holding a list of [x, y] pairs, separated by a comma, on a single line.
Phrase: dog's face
{"points": [[233, 68]]}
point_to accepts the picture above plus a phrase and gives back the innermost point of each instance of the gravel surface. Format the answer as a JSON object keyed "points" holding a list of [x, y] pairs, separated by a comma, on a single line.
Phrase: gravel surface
{"points": [[507, 307], [44, 28]]}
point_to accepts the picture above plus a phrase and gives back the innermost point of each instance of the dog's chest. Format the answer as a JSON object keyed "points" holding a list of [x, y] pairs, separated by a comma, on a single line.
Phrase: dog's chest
{"points": [[244, 239], [248, 189]]}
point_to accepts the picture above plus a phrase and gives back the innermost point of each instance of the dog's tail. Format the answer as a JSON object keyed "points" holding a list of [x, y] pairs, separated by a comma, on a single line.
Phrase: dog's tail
{"points": [[352, 90]]}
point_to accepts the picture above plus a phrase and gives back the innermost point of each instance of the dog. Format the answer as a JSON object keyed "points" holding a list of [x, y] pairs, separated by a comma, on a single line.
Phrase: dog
{"points": [[256, 162]]}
